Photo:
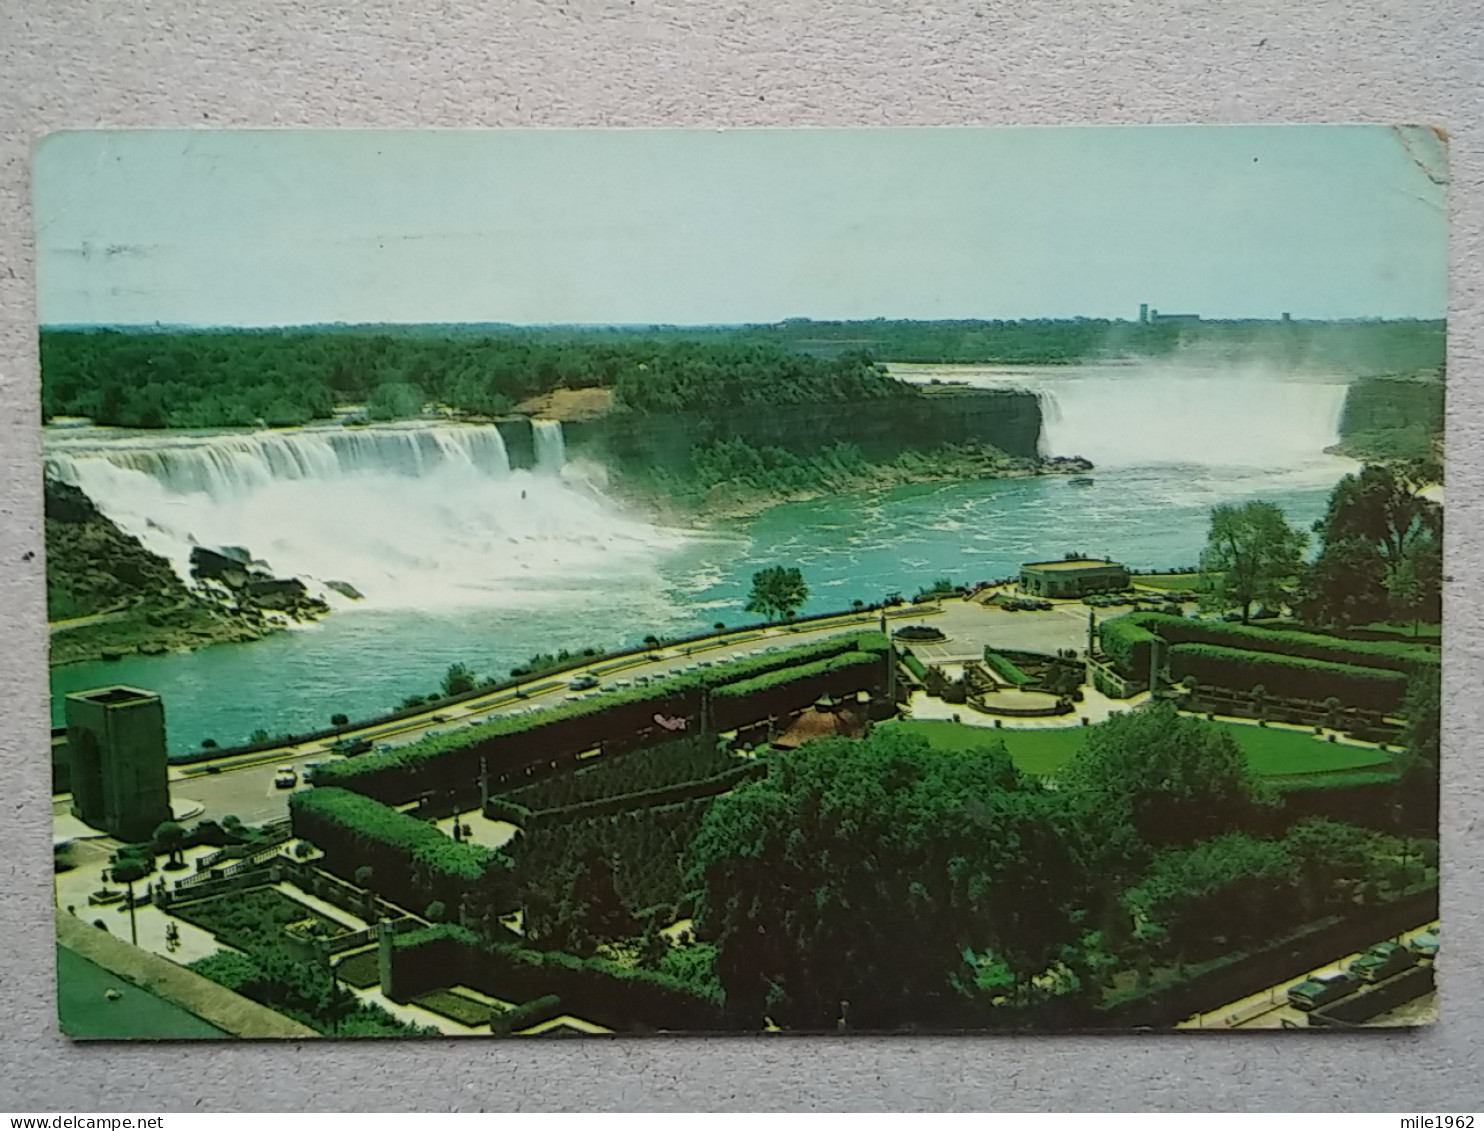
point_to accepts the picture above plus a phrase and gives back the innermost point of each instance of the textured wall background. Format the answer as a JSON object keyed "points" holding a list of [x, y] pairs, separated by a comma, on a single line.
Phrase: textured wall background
{"points": [[733, 63]]}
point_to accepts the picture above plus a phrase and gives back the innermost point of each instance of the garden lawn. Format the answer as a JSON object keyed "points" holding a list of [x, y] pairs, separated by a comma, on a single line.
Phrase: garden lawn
{"points": [[1270, 751], [1185, 582]]}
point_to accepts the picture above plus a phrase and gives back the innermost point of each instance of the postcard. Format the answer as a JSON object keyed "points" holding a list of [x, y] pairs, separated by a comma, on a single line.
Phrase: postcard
{"points": [[531, 582]]}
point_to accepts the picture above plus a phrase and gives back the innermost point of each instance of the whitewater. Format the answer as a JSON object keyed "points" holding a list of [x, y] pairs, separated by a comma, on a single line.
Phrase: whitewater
{"points": [[414, 516], [464, 558]]}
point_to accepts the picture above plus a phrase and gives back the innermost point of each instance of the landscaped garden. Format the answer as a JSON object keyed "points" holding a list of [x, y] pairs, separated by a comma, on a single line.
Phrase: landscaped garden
{"points": [[1270, 751]]}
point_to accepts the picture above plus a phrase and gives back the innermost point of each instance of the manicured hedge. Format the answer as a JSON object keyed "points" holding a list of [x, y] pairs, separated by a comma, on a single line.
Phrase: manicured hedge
{"points": [[1299, 678], [781, 678], [615, 996], [649, 798], [503, 809], [1005, 669], [1388, 655], [914, 665], [544, 1008], [411, 861], [1126, 643]]}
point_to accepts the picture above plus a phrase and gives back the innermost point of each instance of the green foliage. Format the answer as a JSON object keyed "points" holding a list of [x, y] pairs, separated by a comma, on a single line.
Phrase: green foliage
{"points": [[1251, 554], [1392, 655], [1003, 668], [1162, 778], [770, 681], [943, 587], [1214, 896], [528, 1014], [1381, 549], [694, 965], [413, 861], [170, 839], [395, 400], [913, 664], [458, 680], [548, 661], [778, 592], [1232, 891], [421, 755], [1292, 676], [234, 378], [249, 920], [587, 881], [694, 758], [1126, 642], [730, 471], [303, 991], [863, 871], [713, 377], [591, 986]]}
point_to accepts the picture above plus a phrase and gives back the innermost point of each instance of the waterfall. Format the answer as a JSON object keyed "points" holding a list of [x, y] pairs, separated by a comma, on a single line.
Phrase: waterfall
{"points": [[228, 465], [1171, 413], [412, 515], [1144, 417], [551, 445]]}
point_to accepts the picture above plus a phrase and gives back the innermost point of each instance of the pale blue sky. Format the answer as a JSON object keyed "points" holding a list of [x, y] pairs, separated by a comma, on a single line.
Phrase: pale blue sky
{"points": [[708, 226]]}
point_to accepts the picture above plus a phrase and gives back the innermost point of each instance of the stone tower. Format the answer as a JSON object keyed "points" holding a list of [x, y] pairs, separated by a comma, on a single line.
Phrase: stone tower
{"points": [[119, 770]]}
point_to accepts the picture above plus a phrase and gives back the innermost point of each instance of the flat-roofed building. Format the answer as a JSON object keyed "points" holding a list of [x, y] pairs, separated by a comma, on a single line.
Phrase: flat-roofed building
{"points": [[120, 774], [1072, 577]]}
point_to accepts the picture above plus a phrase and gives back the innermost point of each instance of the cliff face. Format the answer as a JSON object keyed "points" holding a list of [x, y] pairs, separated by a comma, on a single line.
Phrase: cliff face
{"points": [[1393, 418], [1006, 419], [1393, 402]]}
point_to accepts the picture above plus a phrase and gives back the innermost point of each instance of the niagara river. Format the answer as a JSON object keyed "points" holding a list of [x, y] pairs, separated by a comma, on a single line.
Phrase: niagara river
{"points": [[463, 558]]}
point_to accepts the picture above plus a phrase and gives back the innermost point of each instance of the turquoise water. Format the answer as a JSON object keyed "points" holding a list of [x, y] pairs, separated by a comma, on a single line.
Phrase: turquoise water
{"points": [[362, 661]]}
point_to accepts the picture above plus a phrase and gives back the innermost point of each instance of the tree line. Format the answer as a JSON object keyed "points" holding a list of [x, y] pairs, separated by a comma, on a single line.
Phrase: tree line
{"points": [[1380, 553], [279, 378], [878, 884], [171, 378]]}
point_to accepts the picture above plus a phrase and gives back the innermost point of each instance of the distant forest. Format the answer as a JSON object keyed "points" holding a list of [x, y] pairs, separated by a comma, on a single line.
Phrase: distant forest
{"points": [[172, 378]]}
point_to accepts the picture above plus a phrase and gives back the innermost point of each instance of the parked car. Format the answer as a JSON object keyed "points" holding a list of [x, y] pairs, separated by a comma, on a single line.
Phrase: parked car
{"points": [[1425, 945], [310, 768], [1321, 989], [1382, 961], [585, 683], [285, 777]]}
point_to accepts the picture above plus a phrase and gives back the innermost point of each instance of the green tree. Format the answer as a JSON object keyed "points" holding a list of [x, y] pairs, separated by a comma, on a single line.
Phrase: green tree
{"points": [[1205, 899], [459, 678], [1251, 554], [777, 592], [872, 873], [170, 838], [1380, 549], [1421, 746], [396, 400], [128, 869], [1154, 777]]}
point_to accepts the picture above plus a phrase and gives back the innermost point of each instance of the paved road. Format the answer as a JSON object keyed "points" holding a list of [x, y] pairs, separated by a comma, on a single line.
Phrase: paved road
{"points": [[1269, 1008], [246, 789]]}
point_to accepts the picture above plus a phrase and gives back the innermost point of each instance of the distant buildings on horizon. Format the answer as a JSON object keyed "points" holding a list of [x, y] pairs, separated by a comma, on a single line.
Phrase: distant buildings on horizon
{"points": [[1151, 317]]}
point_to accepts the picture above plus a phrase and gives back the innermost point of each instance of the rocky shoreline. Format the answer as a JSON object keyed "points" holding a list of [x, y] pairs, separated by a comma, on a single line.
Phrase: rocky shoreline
{"points": [[728, 501], [109, 597]]}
